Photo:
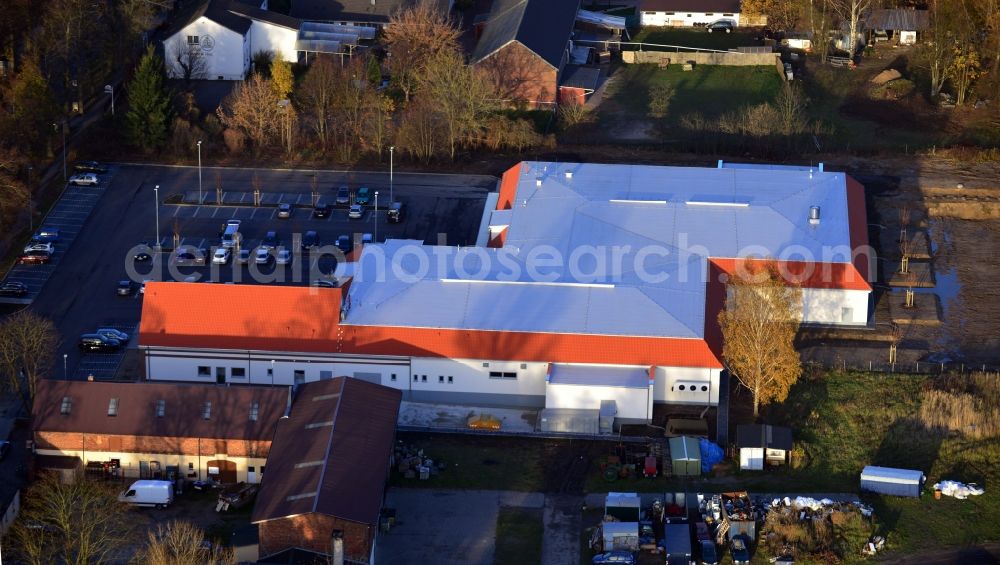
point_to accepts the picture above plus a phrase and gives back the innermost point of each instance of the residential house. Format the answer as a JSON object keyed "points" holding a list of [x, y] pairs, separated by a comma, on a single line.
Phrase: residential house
{"points": [[329, 464], [371, 13], [156, 430]]}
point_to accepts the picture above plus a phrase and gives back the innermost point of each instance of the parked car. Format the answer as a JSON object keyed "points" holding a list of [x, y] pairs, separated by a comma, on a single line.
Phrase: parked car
{"points": [[725, 26], [143, 253], [98, 342], [4, 449], [617, 557], [321, 210], [284, 257], [739, 549], [113, 334], [83, 179], [396, 212], [284, 210], [124, 288], [244, 257], [344, 243], [343, 195], [356, 211], [310, 240], [38, 246], [148, 493], [186, 256], [46, 235], [13, 288], [89, 167], [270, 240], [367, 238], [34, 258], [709, 554], [324, 283], [222, 256], [142, 287], [262, 256], [364, 196]]}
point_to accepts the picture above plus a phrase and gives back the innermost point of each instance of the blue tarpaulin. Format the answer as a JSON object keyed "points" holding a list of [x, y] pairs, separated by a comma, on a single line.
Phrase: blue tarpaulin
{"points": [[710, 455]]}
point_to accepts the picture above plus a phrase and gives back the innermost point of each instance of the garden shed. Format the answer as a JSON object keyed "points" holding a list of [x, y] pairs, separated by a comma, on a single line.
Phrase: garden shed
{"points": [[759, 444], [685, 456], [895, 482]]}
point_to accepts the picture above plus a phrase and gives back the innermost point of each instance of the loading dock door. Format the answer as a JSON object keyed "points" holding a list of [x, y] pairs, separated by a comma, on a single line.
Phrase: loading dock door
{"points": [[370, 377]]}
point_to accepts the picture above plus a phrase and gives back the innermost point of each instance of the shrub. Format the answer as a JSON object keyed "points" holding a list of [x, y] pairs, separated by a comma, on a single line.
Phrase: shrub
{"points": [[660, 96], [235, 140]]}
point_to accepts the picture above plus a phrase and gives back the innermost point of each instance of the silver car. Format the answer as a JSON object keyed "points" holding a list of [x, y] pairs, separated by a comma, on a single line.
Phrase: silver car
{"points": [[262, 256], [356, 211], [284, 210], [284, 257], [113, 334], [81, 179]]}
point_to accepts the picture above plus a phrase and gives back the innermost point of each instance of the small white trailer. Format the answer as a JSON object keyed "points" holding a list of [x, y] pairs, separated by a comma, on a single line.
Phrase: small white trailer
{"points": [[895, 482]]}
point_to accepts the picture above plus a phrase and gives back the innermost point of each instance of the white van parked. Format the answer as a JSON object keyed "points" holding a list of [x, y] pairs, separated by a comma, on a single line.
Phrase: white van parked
{"points": [[148, 493]]}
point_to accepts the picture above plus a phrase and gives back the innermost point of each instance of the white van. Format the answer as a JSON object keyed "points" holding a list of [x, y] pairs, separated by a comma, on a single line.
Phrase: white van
{"points": [[229, 236], [148, 493]]}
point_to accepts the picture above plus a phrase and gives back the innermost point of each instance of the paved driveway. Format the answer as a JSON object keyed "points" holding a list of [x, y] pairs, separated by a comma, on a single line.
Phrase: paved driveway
{"points": [[446, 527]]}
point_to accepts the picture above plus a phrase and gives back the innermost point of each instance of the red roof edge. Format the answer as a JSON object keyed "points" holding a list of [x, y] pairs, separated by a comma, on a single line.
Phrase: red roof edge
{"points": [[508, 187], [861, 252]]}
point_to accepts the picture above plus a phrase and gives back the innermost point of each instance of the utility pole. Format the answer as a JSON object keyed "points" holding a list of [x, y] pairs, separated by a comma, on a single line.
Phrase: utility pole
{"points": [[375, 217], [391, 149], [156, 197], [199, 174]]}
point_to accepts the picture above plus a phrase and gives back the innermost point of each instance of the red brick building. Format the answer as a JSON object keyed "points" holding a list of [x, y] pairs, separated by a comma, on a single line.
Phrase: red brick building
{"points": [[328, 469], [524, 48], [145, 430]]}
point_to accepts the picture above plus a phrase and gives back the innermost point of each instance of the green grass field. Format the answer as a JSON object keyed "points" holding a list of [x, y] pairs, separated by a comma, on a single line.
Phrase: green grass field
{"points": [[519, 536], [709, 90], [696, 38]]}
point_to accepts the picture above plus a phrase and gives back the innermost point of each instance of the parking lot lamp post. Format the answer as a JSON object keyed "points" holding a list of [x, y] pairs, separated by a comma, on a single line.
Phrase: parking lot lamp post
{"points": [[65, 361], [156, 198], [375, 239], [199, 172], [391, 148], [108, 89], [31, 215], [272, 372]]}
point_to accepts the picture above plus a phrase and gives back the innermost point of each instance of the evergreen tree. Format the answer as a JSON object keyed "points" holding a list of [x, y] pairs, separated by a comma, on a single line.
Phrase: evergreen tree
{"points": [[148, 118]]}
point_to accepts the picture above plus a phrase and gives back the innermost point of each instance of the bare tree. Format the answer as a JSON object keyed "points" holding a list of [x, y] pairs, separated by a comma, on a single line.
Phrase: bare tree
{"points": [[413, 37], [252, 108], [186, 61], [852, 12], [75, 524], [420, 129], [316, 97], [27, 346], [463, 97], [182, 543], [758, 325]]}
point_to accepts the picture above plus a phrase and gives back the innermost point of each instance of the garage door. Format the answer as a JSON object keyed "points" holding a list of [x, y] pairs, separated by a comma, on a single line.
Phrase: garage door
{"points": [[370, 377]]}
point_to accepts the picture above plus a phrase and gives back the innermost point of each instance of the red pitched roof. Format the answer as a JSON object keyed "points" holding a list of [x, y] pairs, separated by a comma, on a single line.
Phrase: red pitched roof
{"points": [[508, 187], [805, 273]]}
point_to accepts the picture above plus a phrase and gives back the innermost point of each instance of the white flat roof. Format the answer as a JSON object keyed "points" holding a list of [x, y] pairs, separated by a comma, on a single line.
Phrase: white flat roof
{"points": [[660, 221]]}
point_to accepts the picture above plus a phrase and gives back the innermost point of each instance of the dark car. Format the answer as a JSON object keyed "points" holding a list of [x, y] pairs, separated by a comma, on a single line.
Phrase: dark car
{"points": [[321, 210], [709, 555], [189, 256], [124, 288], [13, 288], [270, 240], [143, 253], [396, 212], [4, 449], [34, 258], [344, 243], [725, 26], [310, 240], [364, 196], [343, 195], [739, 549], [90, 167], [98, 342], [46, 235]]}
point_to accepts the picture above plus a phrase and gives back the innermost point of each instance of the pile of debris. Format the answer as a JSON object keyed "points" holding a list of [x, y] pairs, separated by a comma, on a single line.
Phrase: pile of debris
{"points": [[958, 490], [412, 464], [822, 530]]}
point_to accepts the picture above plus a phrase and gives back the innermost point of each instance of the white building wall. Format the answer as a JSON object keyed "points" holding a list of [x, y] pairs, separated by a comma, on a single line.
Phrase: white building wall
{"points": [[752, 458], [470, 379], [834, 306], [266, 36], [686, 19], [226, 53], [631, 403], [186, 464], [700, 385]]}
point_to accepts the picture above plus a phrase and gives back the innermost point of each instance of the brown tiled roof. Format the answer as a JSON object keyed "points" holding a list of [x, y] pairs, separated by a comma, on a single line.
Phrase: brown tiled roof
{"points": [[183, 404], [331, 455]]}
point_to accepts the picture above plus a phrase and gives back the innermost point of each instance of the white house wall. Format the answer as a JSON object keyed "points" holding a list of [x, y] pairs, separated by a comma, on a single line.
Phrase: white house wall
{"points": [[686, 19], [227, 59], [471, 382], [834, 306], [700, 385], [186, 464], [631, 403], [265, 36]]}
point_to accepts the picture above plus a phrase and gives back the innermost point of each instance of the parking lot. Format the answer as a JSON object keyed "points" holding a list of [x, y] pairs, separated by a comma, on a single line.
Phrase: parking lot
{"points": [[80, 294]]}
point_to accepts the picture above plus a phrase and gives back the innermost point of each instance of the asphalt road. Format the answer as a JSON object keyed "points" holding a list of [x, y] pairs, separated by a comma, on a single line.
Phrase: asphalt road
{"points": [[80, 295]]}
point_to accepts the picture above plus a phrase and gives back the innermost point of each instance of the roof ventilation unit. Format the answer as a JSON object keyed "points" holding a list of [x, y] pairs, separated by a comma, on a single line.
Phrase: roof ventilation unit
{"points": [[814, 215], [538, 183], [569, 174]]}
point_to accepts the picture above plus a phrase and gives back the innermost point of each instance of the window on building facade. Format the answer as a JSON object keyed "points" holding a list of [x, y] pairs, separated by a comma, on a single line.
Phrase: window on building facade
{"points": [[502, 375], [161, 408], [206, 411], [204, 371], [254, 410], [441, 379], [451, 379], [299, 376], [239, 372], [392, 377], [113, 407], [325, 375], [67, 405], [416, 378], [728, 15], [193, 40], [190, 466], [423, 378], [486, 364]]}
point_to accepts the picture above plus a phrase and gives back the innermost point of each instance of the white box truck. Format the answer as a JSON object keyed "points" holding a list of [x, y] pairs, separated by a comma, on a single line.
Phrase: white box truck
{"points": [[148, 493]]}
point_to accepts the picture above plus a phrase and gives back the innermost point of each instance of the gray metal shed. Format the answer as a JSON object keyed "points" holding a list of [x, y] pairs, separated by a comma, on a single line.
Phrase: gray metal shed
{"points": [[895, 482]]}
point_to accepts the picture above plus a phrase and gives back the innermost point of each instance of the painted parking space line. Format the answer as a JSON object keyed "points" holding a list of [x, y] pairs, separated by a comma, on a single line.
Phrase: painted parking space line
{"points": [[273, 213], [196, 210], [215, 211], [235, 211], [177, 209]]}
